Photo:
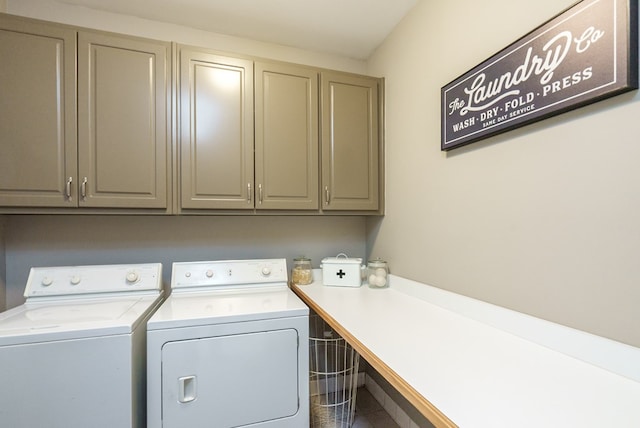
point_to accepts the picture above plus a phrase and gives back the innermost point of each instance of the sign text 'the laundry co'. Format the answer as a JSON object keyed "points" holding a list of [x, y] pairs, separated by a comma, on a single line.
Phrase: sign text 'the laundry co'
{"points": [[587, 53]]}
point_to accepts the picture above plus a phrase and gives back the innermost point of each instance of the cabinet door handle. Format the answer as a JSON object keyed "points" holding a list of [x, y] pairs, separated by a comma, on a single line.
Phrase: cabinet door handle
{"points": [[83, 188], [67, 189], [248, 193], [326, 195], [260, 194]]}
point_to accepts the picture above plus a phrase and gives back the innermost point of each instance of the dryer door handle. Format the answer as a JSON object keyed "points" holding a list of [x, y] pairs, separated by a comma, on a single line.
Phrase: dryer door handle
{"points": [[187, 391]]}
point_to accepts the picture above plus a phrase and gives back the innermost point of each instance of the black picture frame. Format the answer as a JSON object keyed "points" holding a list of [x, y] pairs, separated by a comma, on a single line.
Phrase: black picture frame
{"points": [[586, 53]]}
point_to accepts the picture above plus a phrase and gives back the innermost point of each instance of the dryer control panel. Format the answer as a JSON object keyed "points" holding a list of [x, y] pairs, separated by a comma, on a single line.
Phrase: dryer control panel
{"points": [[83, 280], [224, 274]]}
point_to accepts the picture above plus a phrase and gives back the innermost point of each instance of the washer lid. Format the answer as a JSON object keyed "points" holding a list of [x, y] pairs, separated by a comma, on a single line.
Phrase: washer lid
{"points": [[74, 319], [211, 307]]}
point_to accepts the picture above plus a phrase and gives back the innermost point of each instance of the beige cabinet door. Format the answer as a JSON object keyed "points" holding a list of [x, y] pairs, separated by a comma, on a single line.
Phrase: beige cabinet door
{"points": [[37, 114], [350, 143], [123, 86], [216, 131], [286, 137]]}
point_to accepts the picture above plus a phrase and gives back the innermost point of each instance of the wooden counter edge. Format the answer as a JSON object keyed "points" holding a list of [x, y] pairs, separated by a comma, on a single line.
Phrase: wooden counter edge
{"points": [[428, 410]]}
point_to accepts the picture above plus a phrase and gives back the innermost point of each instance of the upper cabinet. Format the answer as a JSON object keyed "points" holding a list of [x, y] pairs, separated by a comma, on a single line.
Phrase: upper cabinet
{"points": [[123, 87], [105, 147], [272, 155], [88, 124], [286, 143], [216, 131], [38, 143], [350, 142], [248, 133]]}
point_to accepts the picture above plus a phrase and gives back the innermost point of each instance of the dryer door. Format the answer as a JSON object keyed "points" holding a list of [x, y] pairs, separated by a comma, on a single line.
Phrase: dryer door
{"points": [[230, 381]]}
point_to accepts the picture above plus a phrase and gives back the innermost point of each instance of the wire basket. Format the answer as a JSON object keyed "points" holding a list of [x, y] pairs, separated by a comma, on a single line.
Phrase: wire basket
{"points": [[333, 377]]}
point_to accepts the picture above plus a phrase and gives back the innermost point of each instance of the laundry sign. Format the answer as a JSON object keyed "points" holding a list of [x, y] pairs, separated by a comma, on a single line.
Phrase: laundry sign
{"points": [[584, 54]]}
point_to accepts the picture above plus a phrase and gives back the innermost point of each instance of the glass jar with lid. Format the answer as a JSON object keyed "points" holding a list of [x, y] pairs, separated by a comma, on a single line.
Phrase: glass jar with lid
{"points": [[302, 273], [377, 273]]}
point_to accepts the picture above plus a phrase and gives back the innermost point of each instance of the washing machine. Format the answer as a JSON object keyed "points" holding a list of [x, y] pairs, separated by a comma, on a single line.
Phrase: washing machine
{"points": [[74, 354], [229, 348]]}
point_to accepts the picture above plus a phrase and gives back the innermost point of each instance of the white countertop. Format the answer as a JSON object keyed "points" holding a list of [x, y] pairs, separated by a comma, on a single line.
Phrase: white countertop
{"points": [[474, 372]]}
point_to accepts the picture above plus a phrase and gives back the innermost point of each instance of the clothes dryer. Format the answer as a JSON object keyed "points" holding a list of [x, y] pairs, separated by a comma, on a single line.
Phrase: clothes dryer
{"points": [[229, 348], [74, 354]]}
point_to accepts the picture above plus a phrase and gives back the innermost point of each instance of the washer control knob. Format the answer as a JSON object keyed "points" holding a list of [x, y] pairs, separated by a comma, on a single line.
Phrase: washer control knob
{"points": [[266, 271], [187, 274], [132, 276], [209, 273], [47, 281], [75, 280]]}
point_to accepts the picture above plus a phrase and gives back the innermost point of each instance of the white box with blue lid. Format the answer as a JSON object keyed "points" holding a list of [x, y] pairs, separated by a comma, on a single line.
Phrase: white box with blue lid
{"points": [[342, 271]]}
